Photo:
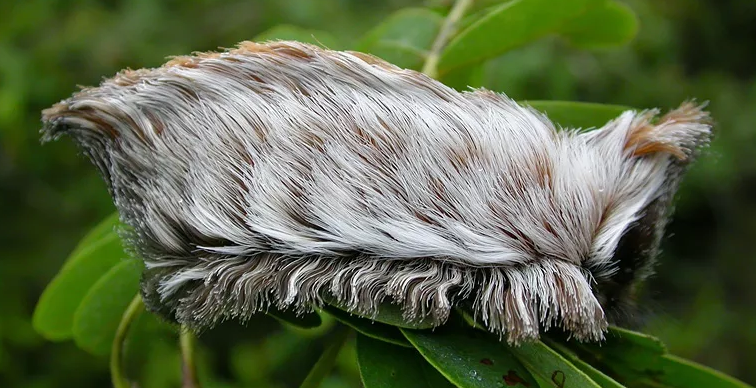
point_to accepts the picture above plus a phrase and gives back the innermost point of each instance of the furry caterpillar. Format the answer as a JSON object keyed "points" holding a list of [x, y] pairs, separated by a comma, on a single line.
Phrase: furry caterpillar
{"points": [[276, 174]]}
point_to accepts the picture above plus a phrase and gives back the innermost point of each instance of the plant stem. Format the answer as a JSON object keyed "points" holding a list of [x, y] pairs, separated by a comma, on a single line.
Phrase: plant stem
{"points": [[188, 367], [325, 363], [430, 68], [116, 352]]}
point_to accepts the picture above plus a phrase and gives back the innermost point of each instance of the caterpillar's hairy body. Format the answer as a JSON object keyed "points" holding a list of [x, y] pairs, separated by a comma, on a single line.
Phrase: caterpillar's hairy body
{"points": [[279, 173]]}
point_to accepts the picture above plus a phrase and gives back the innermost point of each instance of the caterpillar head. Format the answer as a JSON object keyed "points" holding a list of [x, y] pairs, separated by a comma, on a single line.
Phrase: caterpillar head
{"points": [[677, 136]]}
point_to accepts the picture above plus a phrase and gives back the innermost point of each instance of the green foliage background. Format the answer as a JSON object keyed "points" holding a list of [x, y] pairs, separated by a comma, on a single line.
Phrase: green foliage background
{"points": [[701, 304]]}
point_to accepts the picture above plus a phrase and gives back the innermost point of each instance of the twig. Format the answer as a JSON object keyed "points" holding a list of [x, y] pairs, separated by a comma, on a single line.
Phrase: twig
{"points": [[116, 352], [430, 68], [188, 367]]}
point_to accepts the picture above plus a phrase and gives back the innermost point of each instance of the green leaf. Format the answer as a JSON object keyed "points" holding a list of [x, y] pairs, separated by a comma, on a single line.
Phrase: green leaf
{"points": [[97, 318], [636, 340], [288, 32], [383, 365], [681, 373], [596, 375], [639, 359], [470, 358], [464, 78], [445, 6], [388, 313], [509, 26], [369, 328], [629, 360], [477, 11], [550, 367], [577, 114], [307, 320], [629, 356], [54, 314], [610, 24], [404, 38], [103, 229]]}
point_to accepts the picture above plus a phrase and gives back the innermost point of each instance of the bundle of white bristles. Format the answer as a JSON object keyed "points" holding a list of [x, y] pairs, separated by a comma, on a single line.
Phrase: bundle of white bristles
{"points": [[282, 174]]}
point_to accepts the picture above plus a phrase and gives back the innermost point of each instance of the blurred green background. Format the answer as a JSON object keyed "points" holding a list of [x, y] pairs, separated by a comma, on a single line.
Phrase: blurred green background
{"points": [[702, 303]]}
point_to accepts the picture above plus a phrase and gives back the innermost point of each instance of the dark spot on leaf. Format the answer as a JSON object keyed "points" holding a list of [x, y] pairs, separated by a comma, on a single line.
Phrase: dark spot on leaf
{"points": [[655, 375], [558, 378], [486, 361], [512, 379]]}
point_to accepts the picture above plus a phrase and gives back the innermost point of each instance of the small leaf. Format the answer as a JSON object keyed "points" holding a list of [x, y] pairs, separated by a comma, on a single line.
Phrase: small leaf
{"points": [[388, 313], [101, 230], [470, 358], [644, 341], [610, 24], [577, 114], [509, 26], [464, 78], [288, 32], [96, 320], [627, 362], [477, 10], [383, 365], [369, 328], [681, 373], [308, 320], [639, 359], [404, 38], [445, 6], [551, 367], [54, 314]]}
